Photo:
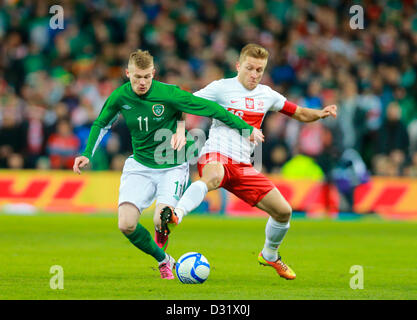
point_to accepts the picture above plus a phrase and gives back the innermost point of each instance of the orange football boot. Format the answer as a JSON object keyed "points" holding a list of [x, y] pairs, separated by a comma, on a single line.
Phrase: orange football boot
{"points": [[282, 269]]}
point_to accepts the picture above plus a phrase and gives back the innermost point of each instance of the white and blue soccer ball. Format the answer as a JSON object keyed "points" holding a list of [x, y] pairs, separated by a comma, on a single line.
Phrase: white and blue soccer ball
{"points": [[192, 267]]}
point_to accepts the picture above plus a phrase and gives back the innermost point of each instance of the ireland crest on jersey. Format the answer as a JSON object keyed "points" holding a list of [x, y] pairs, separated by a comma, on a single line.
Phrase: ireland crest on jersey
{"points": [[158, 109]]}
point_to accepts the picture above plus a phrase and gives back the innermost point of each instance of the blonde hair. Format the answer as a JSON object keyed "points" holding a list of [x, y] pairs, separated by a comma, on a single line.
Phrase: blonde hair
{"points": [[253, 50], [141, 59]]}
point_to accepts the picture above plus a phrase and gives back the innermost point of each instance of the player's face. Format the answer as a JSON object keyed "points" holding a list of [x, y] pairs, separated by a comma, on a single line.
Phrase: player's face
{"points": [[140, 79], [250, 71]]}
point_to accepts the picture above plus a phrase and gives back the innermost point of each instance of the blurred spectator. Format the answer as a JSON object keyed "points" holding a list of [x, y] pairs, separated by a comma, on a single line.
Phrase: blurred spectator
{"points": [[311, 139], [62, 146], [349, 173], [35, 135], [328, 159], [348, 109], [393, 138], [313, 99], [15, 161], [411, 170], [368, 120], [275, 154], [12, 138]]}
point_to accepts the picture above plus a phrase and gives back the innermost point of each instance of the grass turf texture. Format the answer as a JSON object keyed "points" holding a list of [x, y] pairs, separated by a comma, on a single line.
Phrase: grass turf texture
{"points": [[99, 263]]}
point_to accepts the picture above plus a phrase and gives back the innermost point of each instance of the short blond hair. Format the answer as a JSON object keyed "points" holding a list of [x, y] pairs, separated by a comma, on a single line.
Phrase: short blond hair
{"points": [[141, 59], [253, 50]]}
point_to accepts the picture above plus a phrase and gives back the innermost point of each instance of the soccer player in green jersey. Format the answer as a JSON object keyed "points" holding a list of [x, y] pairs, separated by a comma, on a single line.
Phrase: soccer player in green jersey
{"points": [[151, 109]]}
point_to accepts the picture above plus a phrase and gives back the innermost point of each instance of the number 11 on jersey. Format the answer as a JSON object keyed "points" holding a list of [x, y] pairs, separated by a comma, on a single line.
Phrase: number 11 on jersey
{"points": [[146, 123]]}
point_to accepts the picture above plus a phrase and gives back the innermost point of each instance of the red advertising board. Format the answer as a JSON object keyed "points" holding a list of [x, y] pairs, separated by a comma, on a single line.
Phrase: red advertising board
{"points": [[63, 191]]}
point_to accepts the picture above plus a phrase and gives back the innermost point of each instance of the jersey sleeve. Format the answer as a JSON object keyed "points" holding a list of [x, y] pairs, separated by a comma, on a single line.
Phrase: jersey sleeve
{"points": [[210, 91], [108, 115], [278, 100], [189, 103]]}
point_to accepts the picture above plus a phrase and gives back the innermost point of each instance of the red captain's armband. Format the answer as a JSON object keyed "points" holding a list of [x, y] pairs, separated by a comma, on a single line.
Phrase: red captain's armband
{"points": [[288, 108]]}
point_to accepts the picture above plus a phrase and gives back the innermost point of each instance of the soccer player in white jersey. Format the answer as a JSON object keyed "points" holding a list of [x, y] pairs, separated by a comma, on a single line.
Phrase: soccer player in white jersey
{"points": [[225, 158]]}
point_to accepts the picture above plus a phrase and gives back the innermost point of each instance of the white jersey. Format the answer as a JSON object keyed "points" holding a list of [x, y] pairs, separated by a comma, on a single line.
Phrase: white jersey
{"points": [[249, 105]]}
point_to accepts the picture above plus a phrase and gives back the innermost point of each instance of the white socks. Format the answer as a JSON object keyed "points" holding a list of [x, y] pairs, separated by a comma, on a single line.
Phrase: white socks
{"points": [[191, 199], [275, 231]]}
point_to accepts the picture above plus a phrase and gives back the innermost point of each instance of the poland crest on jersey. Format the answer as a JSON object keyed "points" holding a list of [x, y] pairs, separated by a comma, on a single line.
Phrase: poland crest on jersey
{"points": [[249, 103], [158, 109]]}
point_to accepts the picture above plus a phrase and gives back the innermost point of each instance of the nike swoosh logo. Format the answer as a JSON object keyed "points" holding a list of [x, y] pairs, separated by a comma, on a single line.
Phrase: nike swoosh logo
{"points": [[126, 107]]}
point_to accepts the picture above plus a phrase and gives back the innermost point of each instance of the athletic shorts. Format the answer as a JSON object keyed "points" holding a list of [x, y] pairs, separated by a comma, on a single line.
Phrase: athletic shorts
{"points": [[241, 179], [141, 185]]}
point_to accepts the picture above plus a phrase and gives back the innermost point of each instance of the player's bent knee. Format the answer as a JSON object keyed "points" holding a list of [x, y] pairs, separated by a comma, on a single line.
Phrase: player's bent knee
{"points": [[283, 214], [127, 228], [213, 183], [212, 180], [128, 218]]}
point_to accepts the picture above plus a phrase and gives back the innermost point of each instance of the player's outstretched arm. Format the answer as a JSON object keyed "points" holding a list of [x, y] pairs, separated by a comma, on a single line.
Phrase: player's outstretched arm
{"points": [[108, 115], [79, 163], [310, 115], [188, 103]]}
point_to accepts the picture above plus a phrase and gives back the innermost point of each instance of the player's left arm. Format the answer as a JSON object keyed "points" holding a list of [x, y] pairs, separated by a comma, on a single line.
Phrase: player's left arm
{"points": [[308, 114], [281, 104]]}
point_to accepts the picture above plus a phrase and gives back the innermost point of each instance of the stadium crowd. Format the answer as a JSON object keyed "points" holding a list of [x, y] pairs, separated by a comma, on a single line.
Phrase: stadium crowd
{"points": [[53, 82]]}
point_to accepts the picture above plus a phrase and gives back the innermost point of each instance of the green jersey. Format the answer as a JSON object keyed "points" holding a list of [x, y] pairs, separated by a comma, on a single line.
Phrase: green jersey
{"points": [[152, 117]]}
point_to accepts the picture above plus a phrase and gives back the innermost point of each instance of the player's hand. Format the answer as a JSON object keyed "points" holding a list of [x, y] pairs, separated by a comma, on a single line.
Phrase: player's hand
{"points": [[79, 163], [256, 136], [178, 141], [329, 111]]}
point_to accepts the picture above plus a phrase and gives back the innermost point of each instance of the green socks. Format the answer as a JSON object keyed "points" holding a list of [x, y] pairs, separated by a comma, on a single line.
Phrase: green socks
{"points": [[141, 239]]}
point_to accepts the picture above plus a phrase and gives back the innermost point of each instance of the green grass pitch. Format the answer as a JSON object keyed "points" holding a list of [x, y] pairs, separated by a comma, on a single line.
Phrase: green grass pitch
{"points": [[99, 263]]}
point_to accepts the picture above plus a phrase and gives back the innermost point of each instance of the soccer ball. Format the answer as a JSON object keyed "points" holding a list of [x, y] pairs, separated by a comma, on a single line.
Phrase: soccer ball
{"points": [[192, 267]]}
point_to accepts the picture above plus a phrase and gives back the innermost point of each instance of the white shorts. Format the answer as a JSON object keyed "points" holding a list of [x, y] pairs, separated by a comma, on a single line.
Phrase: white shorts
{"points": [[141, 185]]}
